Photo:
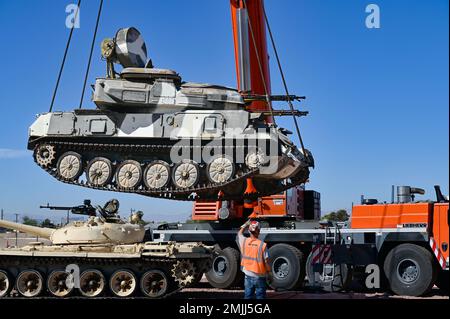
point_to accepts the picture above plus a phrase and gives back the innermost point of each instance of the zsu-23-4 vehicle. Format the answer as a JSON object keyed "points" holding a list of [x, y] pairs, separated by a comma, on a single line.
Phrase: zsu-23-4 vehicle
{"points": [[155, 135]]}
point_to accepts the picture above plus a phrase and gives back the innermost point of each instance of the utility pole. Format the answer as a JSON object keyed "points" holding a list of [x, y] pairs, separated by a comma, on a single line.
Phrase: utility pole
{"points": [[17, 232], [1, 216]]}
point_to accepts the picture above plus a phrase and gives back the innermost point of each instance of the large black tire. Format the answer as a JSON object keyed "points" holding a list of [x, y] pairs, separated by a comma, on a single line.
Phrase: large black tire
{"points": [[288, 271], [443, 280], [225, 270], [342, 280], [410, 270]]}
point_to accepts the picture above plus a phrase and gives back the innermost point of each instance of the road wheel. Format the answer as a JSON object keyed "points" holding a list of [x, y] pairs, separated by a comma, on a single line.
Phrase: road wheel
{"points": [[220, 170], [341, 279], [5, 284], [186, 174], [70, 166], [99, 171], [154, 283], [157, 175], [443, 280], [92, 283], [288, 271], [410, 270], [123, 283], [225, 272], [56, 284], [129, 175], [29, 283]]}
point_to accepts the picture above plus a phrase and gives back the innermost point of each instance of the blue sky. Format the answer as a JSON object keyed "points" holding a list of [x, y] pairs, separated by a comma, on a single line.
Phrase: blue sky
{"points": [[378, 98]]}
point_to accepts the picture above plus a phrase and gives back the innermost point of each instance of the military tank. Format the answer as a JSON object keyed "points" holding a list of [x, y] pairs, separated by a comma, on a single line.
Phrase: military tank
{"points": [[156, 135], [104, 255]]}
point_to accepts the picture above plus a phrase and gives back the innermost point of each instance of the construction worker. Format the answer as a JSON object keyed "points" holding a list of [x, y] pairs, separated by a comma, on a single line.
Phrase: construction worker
{"points": [[254, 261]]}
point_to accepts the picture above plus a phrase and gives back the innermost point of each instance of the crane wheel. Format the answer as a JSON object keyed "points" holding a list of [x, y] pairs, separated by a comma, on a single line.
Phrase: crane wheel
{"points": [[325, 279], [410, 270], [225, 272], [288, 268]]}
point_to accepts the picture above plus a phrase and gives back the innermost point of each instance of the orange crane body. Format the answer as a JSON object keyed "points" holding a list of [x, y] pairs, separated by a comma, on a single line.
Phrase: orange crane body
{"points": [[433, 216], [250, 50]]}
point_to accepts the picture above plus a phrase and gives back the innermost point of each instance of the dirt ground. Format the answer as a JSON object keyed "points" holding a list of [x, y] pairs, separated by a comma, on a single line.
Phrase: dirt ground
{"points": [[204, 291]]}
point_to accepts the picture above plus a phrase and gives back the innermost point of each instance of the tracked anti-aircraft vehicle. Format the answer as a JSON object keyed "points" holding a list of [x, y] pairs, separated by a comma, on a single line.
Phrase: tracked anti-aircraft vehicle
{"points": [[155, 135], [104, 255]]}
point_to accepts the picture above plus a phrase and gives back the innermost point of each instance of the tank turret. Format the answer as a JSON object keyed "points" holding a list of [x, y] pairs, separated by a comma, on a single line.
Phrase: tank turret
{"points": [[156, 135]]}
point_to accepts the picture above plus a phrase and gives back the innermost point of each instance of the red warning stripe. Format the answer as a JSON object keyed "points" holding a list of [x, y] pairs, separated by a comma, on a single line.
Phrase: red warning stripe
{"points": [[437, 253], [321, 254], [326, 255], [315, 254]]}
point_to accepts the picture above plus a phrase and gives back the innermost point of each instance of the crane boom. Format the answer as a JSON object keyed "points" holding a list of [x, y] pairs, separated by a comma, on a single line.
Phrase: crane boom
{"points": [[250, 50]]}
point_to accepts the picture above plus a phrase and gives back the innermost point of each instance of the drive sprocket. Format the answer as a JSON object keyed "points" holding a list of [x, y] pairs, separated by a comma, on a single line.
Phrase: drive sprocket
{"points": [[184, 272], [45, 155]]}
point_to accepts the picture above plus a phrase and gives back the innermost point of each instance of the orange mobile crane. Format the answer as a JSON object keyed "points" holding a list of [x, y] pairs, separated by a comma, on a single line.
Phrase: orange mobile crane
{"points": [[406, 242]]}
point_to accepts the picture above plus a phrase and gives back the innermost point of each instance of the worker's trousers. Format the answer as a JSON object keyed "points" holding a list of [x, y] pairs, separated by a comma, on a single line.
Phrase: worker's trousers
{"points": [[255, 287]]}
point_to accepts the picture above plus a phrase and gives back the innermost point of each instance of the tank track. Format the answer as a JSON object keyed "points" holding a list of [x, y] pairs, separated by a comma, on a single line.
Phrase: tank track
{"points": [[13, 265], [198, 192]]}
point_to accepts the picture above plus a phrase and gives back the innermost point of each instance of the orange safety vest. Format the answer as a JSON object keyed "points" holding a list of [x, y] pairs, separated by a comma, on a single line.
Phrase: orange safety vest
{"points": [[252, 256]]}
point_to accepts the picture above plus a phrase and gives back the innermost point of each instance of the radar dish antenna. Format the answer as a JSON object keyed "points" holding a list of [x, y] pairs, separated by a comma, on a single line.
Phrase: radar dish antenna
{"points": [[131, 50]]}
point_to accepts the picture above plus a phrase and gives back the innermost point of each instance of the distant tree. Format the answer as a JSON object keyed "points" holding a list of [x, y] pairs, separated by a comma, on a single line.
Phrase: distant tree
{"points": [[340, 216], [47, 223], [29, 221]]}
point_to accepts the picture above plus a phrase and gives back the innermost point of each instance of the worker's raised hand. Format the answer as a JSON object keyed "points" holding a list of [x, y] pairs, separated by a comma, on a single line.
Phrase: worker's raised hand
{"points": [[246, 224]]}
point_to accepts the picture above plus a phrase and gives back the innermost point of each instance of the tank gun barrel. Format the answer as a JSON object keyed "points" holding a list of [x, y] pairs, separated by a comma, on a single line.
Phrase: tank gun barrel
{"points": [[33, 230]]}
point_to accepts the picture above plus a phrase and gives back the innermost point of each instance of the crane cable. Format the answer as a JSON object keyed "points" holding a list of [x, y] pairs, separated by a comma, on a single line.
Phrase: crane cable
{"points": [[258, 58], [291, 106], [90, 54], [64, 57]]}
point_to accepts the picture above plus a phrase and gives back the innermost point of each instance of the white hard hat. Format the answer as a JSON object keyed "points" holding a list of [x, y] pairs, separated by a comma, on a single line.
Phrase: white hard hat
{"points": [[254, 226]]}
